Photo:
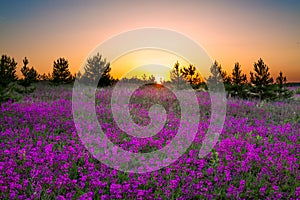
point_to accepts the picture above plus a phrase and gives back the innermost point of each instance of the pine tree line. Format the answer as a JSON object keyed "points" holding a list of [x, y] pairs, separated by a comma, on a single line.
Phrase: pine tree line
{"points": [[260, 85]]}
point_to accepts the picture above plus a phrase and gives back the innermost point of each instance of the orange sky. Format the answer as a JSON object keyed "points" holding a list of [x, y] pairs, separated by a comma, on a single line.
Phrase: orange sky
{"points": [[146, 62], [229, 32]]}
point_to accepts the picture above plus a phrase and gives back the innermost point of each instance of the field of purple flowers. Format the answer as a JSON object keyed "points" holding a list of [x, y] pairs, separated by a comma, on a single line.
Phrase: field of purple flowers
{"points": [[42, 157]]}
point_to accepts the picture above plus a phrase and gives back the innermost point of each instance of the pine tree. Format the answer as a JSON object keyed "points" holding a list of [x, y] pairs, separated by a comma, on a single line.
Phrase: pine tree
{"points": [[96, 67], [238, 81], [7, 70], [30, 74], [262, 80], [188, 73], [218, 76], [282, 91], [176, 76], [61, 73], [238, 77], [281, 80], [9, 87]]}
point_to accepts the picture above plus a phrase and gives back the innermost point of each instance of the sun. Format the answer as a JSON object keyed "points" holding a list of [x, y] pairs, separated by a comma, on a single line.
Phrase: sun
{"points": [[159, 79]]}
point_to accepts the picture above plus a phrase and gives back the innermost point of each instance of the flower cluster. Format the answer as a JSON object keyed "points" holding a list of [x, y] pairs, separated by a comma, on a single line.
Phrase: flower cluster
{"points": [[257, 155]]}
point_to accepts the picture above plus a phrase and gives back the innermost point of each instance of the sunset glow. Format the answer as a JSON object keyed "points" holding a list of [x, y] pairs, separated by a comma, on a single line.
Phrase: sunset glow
{"points": [[159, 79], [149, 62], [160, 99], [231, 31]]}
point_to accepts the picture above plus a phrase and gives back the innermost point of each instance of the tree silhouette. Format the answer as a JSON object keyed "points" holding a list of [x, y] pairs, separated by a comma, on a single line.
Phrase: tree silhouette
{"points": [[147, 79], [61, 73], [281, 80], [282, 91], [261, 76], [46, 77], [95, 67], [188, 73], [144, 77], [30, 74], [9, 87], [238, 77], [238, 80], [7, 70], [151, 79], [191, 75], [262, 80], [176, 76], [218, 76]]}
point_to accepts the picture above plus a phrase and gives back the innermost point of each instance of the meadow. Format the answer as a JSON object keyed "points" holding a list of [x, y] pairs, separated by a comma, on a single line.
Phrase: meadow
{"points": [[42, 157]]}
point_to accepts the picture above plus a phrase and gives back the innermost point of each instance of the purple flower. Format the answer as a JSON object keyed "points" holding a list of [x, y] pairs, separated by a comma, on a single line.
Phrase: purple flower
{"points": [[210, 171], [104, 197], [242, 183], [173, 184], [262, 190], [275, 187], [115, 188], [42, 151], [60, 197]]}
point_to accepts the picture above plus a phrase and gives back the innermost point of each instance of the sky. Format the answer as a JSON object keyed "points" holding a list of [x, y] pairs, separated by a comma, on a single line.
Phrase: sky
{"points": [[229, 31]]}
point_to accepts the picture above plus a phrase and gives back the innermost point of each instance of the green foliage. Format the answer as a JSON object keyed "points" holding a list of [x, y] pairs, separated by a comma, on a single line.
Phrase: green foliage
{"points": [[10, 87], [261, 76], [7, 70], [214, 159], [13, 91], [61, 73], [262, 81], [238, 85], [261, 87], [297, 91], [96, 66]]}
